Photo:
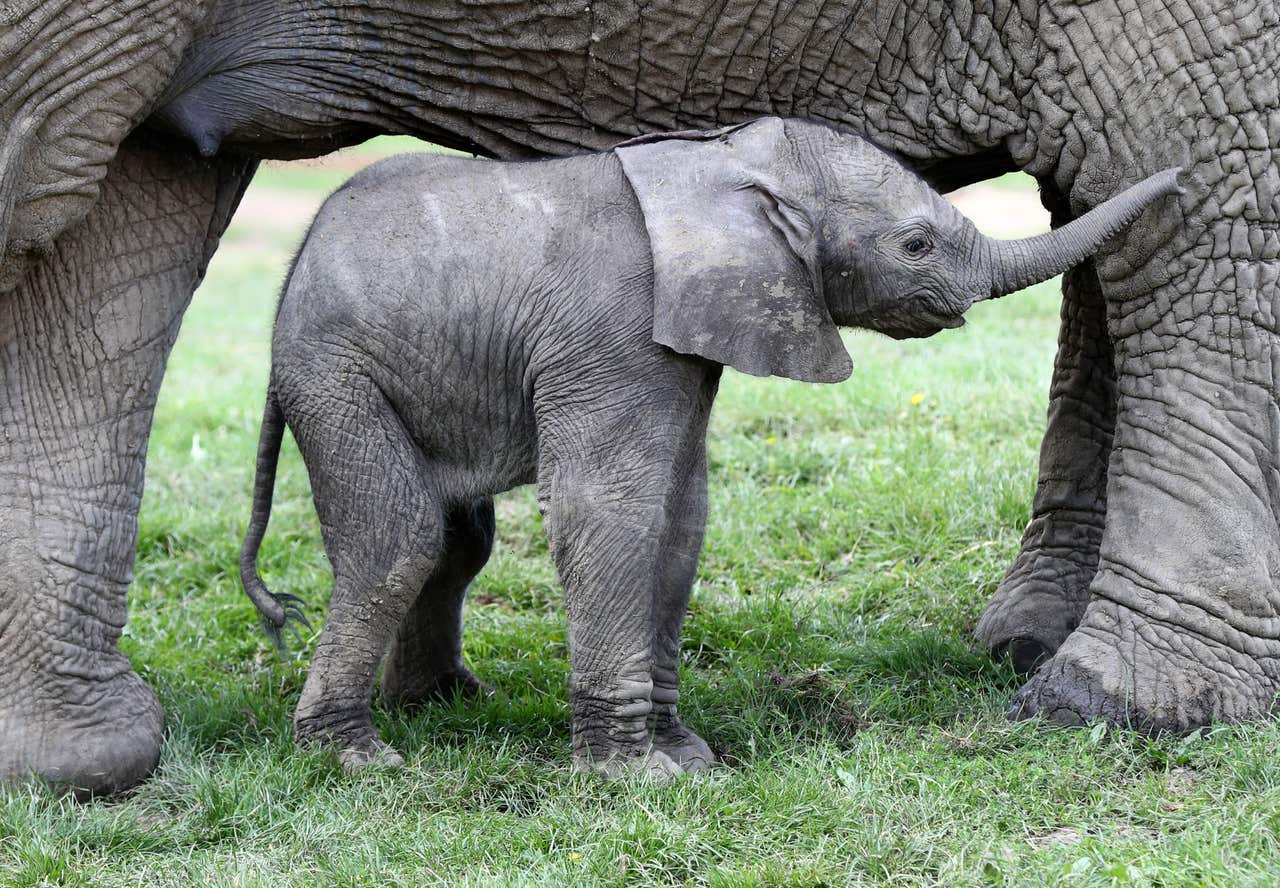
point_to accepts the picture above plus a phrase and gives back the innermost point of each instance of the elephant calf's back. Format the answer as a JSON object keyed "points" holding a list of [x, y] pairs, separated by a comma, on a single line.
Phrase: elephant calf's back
{"points": [[445, 284]]}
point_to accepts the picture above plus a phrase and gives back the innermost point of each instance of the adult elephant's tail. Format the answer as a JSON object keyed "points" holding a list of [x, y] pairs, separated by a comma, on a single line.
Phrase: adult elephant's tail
{"points": [[277, 609]]}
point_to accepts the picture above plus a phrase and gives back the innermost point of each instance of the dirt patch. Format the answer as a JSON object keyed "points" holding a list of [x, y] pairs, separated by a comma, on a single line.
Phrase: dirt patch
{"points": [[1002, 212], [275, 210], [1060, 836], [1179, 785], [1182, 781], [1057, 837]]}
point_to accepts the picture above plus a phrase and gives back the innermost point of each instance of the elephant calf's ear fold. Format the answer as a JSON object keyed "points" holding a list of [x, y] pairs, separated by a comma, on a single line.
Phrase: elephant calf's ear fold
{"points": [[735, 273]]}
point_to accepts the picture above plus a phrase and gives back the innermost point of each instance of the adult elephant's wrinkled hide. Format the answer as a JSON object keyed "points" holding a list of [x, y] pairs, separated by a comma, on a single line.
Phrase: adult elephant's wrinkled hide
{"points": [[1146, 588]]}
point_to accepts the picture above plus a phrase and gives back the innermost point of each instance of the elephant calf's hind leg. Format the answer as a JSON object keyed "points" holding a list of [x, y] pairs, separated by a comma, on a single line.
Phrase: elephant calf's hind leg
{"points": [[425, 661], [384, 536]]}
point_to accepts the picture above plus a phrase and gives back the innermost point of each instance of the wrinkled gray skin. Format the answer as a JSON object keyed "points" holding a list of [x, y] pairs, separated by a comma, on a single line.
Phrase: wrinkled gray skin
{"points": [[452, 329], [1148, 575]]}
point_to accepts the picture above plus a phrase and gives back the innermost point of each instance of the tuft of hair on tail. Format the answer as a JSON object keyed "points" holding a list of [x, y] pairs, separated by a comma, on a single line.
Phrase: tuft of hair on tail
{"points": [[279, 610]]}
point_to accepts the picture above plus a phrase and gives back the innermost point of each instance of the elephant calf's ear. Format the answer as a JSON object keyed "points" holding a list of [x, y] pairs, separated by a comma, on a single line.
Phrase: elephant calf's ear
{"points": [[735, 274]]}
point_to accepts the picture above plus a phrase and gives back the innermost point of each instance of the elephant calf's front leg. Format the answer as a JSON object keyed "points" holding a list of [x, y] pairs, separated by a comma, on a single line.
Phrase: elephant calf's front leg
{"points": [[686, 519], [606, 545]]}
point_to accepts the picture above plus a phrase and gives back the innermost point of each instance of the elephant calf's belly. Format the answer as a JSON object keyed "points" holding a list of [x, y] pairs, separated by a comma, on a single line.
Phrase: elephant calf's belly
{"points": [[470, 423]]}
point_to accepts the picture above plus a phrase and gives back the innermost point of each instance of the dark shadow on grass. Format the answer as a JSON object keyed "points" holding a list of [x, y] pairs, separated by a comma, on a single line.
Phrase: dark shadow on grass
{"points": [[756, 679], [752, 701], [829, 691]]}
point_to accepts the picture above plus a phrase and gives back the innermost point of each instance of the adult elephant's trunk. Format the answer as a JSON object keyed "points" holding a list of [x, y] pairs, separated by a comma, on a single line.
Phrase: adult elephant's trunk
{"points": [[1020, 263]]}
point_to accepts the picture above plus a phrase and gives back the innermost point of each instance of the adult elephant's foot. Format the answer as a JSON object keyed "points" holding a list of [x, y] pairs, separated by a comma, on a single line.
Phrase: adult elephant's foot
{"points": [[1138, 671], [1043, 595], [72, 711], [90, 737]]}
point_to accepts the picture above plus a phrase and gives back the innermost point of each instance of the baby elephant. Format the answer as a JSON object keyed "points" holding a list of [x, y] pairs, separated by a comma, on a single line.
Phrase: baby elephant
{"points": [[453, 328]]}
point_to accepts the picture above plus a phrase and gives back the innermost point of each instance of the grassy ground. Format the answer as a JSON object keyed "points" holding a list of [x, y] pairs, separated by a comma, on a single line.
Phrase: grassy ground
{"points": [[856, 531]]}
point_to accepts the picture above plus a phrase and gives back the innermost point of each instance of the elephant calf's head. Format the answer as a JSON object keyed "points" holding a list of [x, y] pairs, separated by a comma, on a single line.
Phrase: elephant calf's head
{"points": [[767, 235]]}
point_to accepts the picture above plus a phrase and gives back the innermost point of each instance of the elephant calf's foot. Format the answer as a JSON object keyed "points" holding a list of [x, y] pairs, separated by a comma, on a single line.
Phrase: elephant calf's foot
{"points": [[672, 750], [358, 745], [376, 753], [682, 745], [652, 763], [94, 738], [1134, 671], [1040, 601], [410, 691]]}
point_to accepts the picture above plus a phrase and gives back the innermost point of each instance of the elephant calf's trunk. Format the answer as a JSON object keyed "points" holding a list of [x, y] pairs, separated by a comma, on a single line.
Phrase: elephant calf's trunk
{"points": [[1020, 263]]}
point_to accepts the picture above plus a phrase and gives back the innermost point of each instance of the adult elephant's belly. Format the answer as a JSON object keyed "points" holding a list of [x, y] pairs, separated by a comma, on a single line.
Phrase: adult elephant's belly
{"points": [[515, 80]]}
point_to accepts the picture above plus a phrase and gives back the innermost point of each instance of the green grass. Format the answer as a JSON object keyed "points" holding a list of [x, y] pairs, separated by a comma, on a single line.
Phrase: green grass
{"points": [[856, 531]]}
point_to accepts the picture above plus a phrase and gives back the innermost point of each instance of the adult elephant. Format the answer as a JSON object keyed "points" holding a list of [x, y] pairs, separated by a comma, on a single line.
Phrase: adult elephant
{"points": [[1147, 579]]}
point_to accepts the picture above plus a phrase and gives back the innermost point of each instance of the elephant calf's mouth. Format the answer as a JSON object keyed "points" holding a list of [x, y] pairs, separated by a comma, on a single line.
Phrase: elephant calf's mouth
{"points": [[922, 330]]}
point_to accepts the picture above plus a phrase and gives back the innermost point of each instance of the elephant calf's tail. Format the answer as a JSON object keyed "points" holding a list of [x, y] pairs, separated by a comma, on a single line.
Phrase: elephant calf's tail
{"points": [[276, 609]]}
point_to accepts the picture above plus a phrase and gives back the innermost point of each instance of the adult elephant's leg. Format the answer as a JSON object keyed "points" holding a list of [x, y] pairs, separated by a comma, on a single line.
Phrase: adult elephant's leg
{"points": [[1042, 597], [83, 343], [1183, 622]]}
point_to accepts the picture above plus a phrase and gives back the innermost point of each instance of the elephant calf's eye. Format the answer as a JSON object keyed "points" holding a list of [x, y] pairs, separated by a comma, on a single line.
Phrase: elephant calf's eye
{"points": [[917, 246]]}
